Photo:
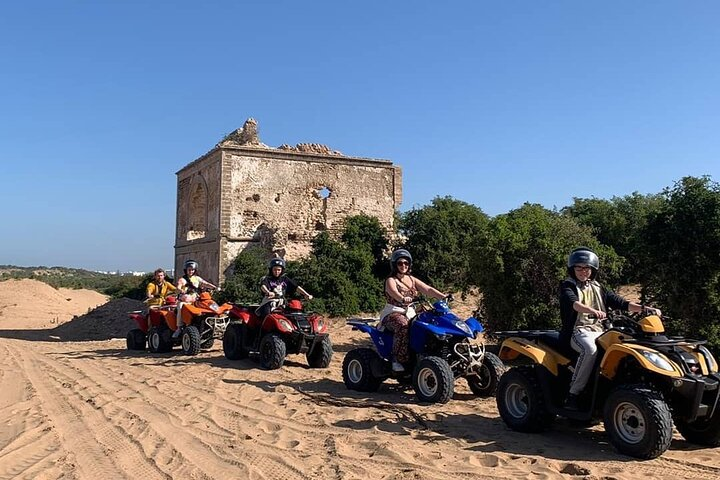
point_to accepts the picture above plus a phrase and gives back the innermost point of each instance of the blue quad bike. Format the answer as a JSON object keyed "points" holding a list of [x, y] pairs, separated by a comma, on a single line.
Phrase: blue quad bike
{"points": [[442, 348]]}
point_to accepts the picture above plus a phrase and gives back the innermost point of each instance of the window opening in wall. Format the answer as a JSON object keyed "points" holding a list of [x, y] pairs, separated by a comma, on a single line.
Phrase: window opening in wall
{"points": [[198, 213], [323, 192]]}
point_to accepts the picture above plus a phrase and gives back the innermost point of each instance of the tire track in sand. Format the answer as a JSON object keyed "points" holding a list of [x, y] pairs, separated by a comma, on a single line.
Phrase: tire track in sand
{"points": [[83, 430]]}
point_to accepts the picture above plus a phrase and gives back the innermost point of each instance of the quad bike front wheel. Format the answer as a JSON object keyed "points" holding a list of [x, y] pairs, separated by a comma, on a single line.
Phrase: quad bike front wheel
{"points": [[136, 339], [321, 355], [484, 381], [233, 342], [704, 431], [520, 401], [191, 340], [638, 421], [272, 352], [357, 370], [158, 341], [433, 380]]}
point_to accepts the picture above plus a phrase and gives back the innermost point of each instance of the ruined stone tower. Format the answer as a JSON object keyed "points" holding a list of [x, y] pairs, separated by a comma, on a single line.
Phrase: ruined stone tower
{"points": [[243, 193]]}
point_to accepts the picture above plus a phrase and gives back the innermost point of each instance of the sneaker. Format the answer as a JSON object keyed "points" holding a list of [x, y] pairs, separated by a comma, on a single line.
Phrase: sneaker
{"points": [[571, 402], [397, 367]]}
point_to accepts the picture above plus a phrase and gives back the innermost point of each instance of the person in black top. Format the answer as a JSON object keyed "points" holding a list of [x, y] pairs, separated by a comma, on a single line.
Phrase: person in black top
{"points": [[583, 306], [276, 287]]}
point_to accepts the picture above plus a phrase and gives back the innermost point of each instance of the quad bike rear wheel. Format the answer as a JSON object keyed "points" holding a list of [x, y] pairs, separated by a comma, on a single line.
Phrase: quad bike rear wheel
{"points": [[190, 340], [701, 432], [136, 339], [357, 370], [638, 421], [433, 380], [272, 352], [484, 382], [321, 355], [233, 342], [520, 401]]}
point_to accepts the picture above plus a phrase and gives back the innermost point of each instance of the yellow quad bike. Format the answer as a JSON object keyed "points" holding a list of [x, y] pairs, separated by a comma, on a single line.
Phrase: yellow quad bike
{"points": [[641, 382]]}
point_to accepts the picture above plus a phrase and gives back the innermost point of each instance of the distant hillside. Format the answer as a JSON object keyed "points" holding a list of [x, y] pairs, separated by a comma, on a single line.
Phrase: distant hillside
{"points": [[115, 286]]}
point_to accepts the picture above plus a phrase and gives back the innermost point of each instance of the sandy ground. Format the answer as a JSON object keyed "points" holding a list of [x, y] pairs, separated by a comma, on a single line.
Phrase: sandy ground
{"points": [[76, 406]]}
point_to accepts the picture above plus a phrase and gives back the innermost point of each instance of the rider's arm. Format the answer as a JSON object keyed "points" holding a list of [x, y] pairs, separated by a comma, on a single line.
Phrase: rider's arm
{"points": [[392, 291], [150, 290], [636, 307], [304, 293], [206, 284], [427, 290]]}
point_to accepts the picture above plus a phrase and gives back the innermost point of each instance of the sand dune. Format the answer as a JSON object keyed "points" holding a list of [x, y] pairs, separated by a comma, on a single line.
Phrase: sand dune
{"points": [[91, 409]]}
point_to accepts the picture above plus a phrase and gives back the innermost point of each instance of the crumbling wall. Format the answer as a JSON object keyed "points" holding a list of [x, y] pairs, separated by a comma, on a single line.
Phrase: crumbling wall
{"points": [[244, 193], [282, 202]]}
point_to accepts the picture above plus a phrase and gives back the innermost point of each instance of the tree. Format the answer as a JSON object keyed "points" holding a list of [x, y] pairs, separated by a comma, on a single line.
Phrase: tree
{"points": [[439, 236], [682, 266], [618, 223], [339, 273], [243, 285], [520, 261]]}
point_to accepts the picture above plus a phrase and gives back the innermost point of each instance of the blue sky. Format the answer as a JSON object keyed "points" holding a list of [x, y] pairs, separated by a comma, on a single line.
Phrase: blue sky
{"points": [[494, 103]]}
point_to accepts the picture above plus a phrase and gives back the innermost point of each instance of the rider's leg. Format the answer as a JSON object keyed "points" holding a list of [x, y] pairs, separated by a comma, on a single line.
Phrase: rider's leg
{"points": [[398, 324], [583, 342]]}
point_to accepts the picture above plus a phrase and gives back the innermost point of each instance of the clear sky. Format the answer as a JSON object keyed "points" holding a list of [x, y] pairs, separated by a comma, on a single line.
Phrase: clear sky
{"points": [[494, 103]]}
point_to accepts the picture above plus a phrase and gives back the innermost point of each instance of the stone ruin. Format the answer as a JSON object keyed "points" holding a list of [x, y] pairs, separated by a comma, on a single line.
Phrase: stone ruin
{"points": [[243, 193]]}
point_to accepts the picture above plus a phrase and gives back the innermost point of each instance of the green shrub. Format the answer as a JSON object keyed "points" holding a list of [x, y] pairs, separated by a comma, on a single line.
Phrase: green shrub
{"points": [[520, 260], [439, 236], [682, 265]]}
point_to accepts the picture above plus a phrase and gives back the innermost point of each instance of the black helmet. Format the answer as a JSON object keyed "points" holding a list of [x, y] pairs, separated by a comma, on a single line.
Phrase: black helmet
{"points": [[276, 262], [397, 255], [190, 264], [583, 256]]}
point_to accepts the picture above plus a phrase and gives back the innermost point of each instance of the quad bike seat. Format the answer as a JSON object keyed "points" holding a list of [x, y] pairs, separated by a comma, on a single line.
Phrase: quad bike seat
{"points": [[552, 339]]}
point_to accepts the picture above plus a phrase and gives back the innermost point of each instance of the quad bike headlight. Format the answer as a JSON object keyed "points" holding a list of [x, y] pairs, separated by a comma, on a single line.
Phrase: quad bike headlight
{"points": [[658, 360], [712, 363], [463, 326], [285, 325]]}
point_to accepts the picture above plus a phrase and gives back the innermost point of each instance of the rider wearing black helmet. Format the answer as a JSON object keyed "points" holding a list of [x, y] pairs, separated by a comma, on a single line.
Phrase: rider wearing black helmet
{"points": [[401, 288], [583, 304], [275, 286]]}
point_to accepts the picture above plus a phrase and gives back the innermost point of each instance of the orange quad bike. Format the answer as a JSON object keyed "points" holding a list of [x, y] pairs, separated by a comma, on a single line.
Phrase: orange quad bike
{"points": [[201, 322], [285, 330]]}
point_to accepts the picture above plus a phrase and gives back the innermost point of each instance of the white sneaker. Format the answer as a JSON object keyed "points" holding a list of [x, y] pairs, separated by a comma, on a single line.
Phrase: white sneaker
{"points": [[397, 367]]}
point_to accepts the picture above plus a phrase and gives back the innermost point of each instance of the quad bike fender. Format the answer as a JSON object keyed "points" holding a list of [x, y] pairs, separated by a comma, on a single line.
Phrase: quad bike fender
{"points": [[140, 319], [643, 355], [362, 326], [512, 348], [475, 326]]}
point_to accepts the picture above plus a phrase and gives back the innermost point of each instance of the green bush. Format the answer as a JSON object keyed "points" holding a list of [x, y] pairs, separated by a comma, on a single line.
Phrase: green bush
{"points": [[439, 236], [619, 223], [345, 275], [342, 275], [243, 285], [520, 260], [682, 265]]}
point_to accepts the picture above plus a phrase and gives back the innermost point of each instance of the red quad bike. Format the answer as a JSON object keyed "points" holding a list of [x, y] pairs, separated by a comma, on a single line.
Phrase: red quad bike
{"points": [[285, 330], [201, 322]]}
